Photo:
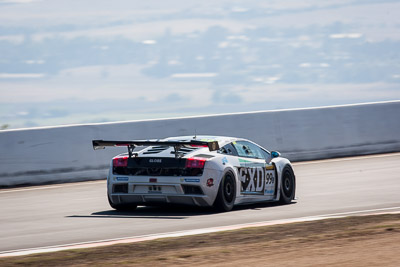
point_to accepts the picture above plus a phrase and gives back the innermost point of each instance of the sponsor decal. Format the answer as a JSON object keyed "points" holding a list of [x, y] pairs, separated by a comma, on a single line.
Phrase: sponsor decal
{"points": [[243, 162], [192, 180], [210, 182], [269, 192], [122, 178], [257, 180], [255, 165], [224, 160], [155, 160]]}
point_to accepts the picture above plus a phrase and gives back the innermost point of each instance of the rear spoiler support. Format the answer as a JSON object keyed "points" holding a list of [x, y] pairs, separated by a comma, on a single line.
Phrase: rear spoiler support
{"points": [[130, 150], [102, 144]]}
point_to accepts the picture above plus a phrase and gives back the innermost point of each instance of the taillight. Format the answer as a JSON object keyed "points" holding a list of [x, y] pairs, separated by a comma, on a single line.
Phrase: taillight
{"points": [[121, 161], [195, 163]]}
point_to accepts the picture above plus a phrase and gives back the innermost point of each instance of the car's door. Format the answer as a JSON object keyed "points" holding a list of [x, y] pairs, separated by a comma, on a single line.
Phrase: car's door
{"points": [[256, 173]]}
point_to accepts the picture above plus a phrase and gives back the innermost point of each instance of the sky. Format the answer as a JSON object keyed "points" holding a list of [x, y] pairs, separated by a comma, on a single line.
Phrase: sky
{"points": [[73, 62]]}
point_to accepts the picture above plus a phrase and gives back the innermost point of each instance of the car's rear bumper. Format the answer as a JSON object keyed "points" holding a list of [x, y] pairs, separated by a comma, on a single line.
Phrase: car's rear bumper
{"points": [[158, 199], [150, 190]]}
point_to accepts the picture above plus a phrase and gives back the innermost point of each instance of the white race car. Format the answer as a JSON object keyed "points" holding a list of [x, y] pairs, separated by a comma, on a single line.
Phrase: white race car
{"points": [[202, 170]]}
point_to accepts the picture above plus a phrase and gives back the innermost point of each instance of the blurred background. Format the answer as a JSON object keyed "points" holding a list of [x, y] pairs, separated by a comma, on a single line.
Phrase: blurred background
{"points": [[68, 62]]}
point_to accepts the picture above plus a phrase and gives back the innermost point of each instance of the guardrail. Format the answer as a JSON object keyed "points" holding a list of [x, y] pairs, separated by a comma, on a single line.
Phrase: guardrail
{"points": [[65, 153]]}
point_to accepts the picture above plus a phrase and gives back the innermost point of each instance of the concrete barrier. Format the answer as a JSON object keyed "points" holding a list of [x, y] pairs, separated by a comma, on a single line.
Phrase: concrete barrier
{"points": [[65, 153]]}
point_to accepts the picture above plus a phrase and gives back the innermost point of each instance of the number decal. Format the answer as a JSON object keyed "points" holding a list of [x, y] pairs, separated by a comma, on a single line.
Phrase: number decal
{"points": [[269, 183], [269, 178]]}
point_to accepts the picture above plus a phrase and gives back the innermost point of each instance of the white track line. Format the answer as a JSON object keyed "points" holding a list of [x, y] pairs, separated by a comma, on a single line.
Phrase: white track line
{"points": [[124, 240]]}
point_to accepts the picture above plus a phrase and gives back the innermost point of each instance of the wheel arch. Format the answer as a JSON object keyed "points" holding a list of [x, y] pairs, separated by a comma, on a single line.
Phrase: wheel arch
{"points": [[289, 165], [280, 164], [222, 201], [233, 171]]}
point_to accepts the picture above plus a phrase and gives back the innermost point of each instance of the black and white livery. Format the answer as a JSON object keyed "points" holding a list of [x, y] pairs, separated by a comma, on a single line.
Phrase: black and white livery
{"points": [[203, 170]]}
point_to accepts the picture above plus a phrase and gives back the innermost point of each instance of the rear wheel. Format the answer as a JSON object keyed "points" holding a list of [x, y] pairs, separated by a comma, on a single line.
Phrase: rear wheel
{"points": [[226, 193], [288, 185], [121, 207]]}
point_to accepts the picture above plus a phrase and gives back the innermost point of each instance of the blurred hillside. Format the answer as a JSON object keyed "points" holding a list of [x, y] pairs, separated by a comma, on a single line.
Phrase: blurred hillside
{"points": [[72, 62]]}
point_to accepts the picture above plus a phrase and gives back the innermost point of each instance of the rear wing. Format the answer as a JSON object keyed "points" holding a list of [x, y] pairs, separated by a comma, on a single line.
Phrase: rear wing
{"points": [[102, 144]]}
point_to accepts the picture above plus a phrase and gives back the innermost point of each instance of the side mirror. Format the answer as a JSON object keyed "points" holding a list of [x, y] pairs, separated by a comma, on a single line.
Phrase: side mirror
{"points": [[275, 154]]}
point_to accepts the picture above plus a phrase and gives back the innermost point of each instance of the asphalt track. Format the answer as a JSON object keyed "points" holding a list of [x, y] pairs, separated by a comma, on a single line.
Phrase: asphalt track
{"points": [[56, 215]]}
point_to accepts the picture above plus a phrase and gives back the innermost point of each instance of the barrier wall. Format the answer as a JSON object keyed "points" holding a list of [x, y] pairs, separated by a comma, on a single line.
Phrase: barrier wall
{"points": [[60, 154]]}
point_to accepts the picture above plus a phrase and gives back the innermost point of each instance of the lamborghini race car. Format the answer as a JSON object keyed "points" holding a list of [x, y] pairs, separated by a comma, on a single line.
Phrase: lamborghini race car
{"points": [[202, 170]]}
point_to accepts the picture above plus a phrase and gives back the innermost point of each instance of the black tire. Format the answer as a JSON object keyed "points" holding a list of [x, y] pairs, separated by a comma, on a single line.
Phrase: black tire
{"points": [[288, 185], [121, 207], [226, 193]]}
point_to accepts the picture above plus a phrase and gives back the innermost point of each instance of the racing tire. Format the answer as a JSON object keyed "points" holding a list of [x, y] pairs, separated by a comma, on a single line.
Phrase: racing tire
{"points": [[226, 193], [121, 207], [288, 185]]}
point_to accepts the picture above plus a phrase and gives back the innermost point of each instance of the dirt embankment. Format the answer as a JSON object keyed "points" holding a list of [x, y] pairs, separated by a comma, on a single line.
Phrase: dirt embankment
{"points": [[352, 241]]}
